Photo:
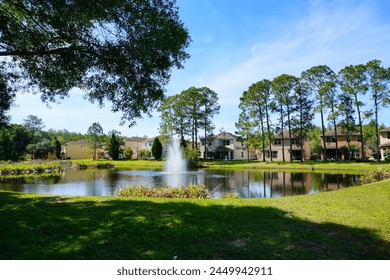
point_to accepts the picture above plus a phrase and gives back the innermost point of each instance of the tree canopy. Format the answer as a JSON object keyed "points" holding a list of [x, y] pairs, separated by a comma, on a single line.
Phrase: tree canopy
{"points": [[116, 51]]}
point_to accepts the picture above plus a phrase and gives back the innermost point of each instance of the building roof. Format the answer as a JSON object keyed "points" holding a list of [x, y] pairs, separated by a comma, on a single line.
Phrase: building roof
{"points": [[340, 131], [225, 136], [135, 139], [279, 135], [386, 129], [285, 135]]}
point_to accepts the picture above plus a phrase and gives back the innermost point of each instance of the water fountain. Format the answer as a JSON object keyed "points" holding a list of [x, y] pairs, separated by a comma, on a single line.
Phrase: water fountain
{"points": [[175, 165]]}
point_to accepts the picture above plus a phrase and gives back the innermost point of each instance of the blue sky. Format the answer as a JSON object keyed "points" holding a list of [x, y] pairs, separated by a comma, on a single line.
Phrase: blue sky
{"points": [[237, 43]]}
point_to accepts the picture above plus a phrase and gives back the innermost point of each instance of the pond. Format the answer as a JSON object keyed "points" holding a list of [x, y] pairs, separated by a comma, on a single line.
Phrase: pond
{"points": [[244, 183]]}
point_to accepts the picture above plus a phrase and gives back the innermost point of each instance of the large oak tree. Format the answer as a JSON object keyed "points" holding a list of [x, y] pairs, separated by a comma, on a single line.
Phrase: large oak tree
{"points": [[121, 51]]}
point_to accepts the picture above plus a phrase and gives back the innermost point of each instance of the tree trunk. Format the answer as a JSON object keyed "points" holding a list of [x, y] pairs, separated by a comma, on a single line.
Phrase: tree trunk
{"points": [[335, 133], [262, 135], [289, 132], [282, 127], [323, 133], [360, 128], [269, 132], [377, 142]]}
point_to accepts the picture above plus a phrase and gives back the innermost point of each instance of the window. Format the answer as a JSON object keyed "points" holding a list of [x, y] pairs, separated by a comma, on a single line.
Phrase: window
{"points": [[388, 135], [242, 154], [277, 141], [225, 142], [330, 139], [294, 141], [359, 139], [274, 154]]}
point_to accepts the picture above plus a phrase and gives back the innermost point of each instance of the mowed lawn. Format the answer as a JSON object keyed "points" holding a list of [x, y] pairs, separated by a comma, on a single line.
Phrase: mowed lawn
{"points": [[351, 223]]}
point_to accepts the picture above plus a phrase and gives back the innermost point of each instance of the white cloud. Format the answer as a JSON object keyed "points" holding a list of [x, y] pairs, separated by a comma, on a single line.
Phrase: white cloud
{"points": [[335, 34]]}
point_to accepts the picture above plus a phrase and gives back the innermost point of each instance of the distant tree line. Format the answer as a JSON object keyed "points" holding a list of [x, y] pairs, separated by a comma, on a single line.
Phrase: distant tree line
{"points": [[337, 97], [30, 141]]}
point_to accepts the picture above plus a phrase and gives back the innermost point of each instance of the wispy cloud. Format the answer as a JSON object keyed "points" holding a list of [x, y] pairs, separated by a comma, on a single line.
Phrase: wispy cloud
{"points": [[332, 33]]}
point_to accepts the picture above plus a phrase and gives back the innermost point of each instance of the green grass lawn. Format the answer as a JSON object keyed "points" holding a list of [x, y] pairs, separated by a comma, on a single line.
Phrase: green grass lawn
{"points": [[309, 166], [316, 166], [352, 223]]}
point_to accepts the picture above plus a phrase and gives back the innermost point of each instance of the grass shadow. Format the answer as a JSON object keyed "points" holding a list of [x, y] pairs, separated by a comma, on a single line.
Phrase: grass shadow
{"points": [[66, 228]]}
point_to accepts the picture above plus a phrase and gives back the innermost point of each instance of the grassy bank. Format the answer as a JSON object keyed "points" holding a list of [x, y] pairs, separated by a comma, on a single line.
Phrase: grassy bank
{"points": [[307, 166], [352, 223], [29, 167]]}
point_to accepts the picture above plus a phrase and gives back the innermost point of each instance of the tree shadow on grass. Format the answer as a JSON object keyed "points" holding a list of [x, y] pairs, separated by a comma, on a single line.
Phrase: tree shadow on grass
{"points": [[65, 228]]}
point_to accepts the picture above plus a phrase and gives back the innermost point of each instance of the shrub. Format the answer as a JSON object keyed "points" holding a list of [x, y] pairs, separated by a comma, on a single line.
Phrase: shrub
{"points": [[375, 176], [198, 191], [128, 153], [231, 195], [157, 149]]}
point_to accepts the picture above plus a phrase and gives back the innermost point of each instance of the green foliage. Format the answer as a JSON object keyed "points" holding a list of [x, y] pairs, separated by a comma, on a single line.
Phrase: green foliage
{"points": [[315, 142], [191, 155], [347, 224], [13, 141], [144, 154], [255, 116], [185, 113], [114, 147], [316, 77], [94, 136], [231, 196], [32, 167], [34, 123], [6, 97], [375, 175], [117, 51], [57, 148], [128, 153], [157, 149], [198, 191], [283, 88]]}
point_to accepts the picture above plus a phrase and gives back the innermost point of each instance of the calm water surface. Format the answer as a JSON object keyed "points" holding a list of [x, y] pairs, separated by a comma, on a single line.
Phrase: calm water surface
{"points": [[246, 184]]}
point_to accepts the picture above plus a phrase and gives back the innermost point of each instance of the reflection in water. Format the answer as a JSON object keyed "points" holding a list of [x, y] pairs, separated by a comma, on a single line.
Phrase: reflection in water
{"points": [[246, 183]]}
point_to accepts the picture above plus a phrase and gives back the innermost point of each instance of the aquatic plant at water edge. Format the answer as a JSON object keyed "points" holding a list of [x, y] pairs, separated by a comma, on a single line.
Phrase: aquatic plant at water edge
{"points": [[375, 176], [198, 191]]}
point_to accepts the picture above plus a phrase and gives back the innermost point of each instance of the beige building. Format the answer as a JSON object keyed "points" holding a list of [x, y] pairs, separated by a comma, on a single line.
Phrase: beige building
{"points": [[384, 138], [136, 144], [139, 144], [354, 140], [277, 148], [225, 146], [76, 150]]}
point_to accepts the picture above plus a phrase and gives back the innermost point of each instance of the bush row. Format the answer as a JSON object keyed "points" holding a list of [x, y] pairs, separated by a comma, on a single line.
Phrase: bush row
{"points": [[198, 191]]}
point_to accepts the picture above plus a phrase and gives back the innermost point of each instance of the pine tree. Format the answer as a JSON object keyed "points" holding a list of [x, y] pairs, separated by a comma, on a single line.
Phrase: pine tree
{"points": [[157, 149]]}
